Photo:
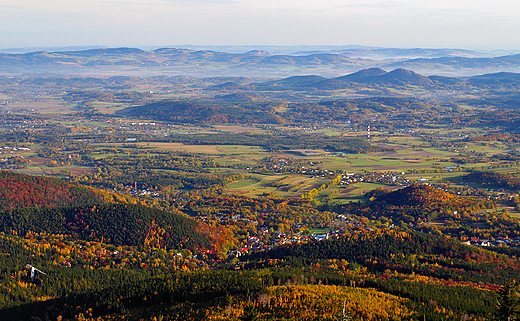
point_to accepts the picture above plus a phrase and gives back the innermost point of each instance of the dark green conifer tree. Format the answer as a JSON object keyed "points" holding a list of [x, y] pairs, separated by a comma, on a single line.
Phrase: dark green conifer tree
{"points": [[507, 308]]}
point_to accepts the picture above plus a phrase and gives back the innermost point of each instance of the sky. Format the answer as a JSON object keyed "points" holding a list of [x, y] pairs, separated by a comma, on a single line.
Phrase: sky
{"points": [[471, 24]]}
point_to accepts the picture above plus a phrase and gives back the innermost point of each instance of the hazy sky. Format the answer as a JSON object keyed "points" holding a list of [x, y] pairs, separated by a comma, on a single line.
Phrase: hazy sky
{"points": [[490, 24]]}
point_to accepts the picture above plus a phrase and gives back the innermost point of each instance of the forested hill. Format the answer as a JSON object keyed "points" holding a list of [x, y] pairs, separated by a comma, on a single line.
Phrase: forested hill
{"points": [[34, 204], [379, 245], [399, 250], [429, 198], [421, 195], [193, 112], [18, 190], [222, 111], [424, 204], [118, 224]]}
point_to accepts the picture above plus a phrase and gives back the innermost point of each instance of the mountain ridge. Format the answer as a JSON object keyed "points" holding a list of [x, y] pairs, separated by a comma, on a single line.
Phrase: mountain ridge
{"points": [[396, 77], [331, 63]]}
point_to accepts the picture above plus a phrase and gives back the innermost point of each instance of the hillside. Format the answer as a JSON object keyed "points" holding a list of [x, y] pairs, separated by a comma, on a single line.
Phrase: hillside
{"points": [[461, 62], [293, 82], [364, 75], [402, 271], [19, 191], [193, 112], [406, 263], [218, 295], [394, 77], [397, 250], [431, 209], [421, 196], [118, 224], [404, 77], [371, 76], [499, 78], [34, 204], [427, 197]]}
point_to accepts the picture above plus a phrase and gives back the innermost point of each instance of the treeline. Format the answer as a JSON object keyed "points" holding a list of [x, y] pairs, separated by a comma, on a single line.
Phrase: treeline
{"points": [[501, 137], [271, 142], [494, 180]]}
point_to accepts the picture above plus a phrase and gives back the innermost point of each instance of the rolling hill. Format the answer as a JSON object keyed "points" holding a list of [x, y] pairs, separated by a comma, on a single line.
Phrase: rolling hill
{"points": [[32, 204], [118, 224], [194, 112], [417, 204]]}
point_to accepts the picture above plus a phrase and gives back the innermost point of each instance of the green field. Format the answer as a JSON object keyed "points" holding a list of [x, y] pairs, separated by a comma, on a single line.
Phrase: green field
{"points": [[354, 192], [319, 231], [286, 186]]}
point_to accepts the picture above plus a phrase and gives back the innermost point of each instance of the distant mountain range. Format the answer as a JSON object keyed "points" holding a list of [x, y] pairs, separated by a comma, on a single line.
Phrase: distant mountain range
{"points": [[257, 63], [348, 50], [376, 76]]}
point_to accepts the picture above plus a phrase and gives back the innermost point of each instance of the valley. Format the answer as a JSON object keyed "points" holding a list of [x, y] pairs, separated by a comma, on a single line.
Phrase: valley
{"points": [[378, 194]]}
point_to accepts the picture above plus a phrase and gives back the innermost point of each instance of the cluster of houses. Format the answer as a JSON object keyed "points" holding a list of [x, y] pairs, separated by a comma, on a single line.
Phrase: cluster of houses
{"points": [[15, 160], [475, 241], [286, 165], [395, 179], [143, 192], [9, 149], [255, 243]]}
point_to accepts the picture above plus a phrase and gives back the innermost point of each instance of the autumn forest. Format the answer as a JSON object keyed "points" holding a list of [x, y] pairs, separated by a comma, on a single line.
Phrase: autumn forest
{"points": [[373, 196]]}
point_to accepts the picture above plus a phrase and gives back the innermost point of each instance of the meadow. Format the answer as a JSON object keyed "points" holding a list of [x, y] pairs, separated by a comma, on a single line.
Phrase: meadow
{"points": [[411, 156]]}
